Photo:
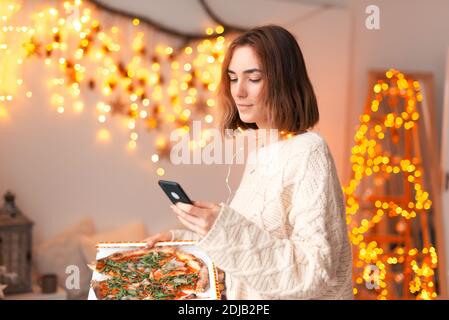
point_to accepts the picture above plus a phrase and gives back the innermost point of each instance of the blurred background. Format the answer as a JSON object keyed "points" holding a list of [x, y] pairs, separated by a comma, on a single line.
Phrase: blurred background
{"points": [[91, 90]]}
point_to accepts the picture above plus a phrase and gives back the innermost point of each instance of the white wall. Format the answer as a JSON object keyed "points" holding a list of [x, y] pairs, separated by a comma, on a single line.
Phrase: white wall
{"points": [[60, 173], [413, 36]]}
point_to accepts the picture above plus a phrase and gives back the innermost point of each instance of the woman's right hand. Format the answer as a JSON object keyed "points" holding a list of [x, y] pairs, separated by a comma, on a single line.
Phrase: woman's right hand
{"points": [[161, 236]]}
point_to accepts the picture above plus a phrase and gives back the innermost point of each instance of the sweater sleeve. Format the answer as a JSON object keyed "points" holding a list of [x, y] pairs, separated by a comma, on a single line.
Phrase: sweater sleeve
{"points": [[302, 266], [184, 234]]}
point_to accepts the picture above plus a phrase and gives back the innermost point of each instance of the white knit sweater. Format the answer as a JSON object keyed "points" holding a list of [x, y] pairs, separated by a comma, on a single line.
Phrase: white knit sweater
{"points": [[284, 235]]}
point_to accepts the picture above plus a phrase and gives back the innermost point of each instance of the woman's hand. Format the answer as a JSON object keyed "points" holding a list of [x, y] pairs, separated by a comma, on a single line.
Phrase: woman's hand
{"points": [[162, 236], [199, 217]]}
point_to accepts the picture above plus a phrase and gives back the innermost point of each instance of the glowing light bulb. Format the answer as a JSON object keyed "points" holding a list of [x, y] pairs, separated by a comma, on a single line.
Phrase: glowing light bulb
{"points": [[155, 158], [209, 118]]}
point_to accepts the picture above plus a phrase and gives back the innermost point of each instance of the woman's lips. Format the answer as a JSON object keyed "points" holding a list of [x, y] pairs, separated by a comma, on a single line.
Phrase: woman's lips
{"points": [[244, 105]]}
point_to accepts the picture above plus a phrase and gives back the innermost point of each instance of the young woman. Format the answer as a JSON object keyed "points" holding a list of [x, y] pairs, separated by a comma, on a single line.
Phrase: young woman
{"points": [[284, 235]]}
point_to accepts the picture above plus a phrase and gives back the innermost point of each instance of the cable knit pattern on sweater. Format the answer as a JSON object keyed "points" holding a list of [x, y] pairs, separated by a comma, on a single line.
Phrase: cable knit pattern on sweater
{"points": [[284, 235]]}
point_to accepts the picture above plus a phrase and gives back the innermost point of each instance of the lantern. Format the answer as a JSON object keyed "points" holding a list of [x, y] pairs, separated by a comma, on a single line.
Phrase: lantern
{"points": [[15, 247]]}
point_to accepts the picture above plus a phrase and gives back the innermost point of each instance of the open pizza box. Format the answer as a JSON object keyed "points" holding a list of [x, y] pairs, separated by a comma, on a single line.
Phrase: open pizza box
{"points": [[105, 249]]}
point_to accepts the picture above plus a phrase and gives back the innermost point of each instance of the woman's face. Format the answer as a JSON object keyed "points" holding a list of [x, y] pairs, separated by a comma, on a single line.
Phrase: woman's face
{"points": [[246, 81]]}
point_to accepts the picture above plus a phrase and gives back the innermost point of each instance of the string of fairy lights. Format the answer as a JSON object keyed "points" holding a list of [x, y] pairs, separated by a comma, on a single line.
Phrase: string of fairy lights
{"points": [[370, 158], [158, 88]]}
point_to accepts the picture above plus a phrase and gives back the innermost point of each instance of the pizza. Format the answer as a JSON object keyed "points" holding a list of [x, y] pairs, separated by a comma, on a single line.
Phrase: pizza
{"points": [[159, 273]]}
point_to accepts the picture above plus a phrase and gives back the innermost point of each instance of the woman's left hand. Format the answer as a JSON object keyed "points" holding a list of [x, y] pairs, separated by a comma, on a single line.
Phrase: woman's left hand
{"points": [[199, 217]]}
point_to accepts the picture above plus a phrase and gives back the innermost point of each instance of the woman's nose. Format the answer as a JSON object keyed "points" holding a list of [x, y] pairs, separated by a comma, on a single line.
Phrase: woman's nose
{"points": [[241, 90]]}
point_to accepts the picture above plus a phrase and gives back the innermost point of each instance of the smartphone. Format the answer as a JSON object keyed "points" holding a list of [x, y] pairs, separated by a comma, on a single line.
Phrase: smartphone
{"points": [[174, 192]]}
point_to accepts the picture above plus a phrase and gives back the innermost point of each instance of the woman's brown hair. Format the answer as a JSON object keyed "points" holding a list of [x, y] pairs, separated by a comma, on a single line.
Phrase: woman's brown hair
{"points": [[288, 92]]}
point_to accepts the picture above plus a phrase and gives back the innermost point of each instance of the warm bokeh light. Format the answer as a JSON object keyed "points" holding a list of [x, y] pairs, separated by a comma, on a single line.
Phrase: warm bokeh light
{"points": [[155, 158], [103, 135], [160, 171]]}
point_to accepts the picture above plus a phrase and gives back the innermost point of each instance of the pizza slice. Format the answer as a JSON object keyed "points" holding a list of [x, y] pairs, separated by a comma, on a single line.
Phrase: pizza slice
{"points": [[134, 263]]}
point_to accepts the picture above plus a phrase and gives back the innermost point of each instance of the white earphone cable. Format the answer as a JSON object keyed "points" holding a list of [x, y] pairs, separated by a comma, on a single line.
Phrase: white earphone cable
{"points": [[228, 174]]}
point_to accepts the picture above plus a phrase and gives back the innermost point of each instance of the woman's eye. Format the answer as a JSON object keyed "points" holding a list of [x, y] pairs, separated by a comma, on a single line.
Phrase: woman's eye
{"points": [[252, 80]]}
